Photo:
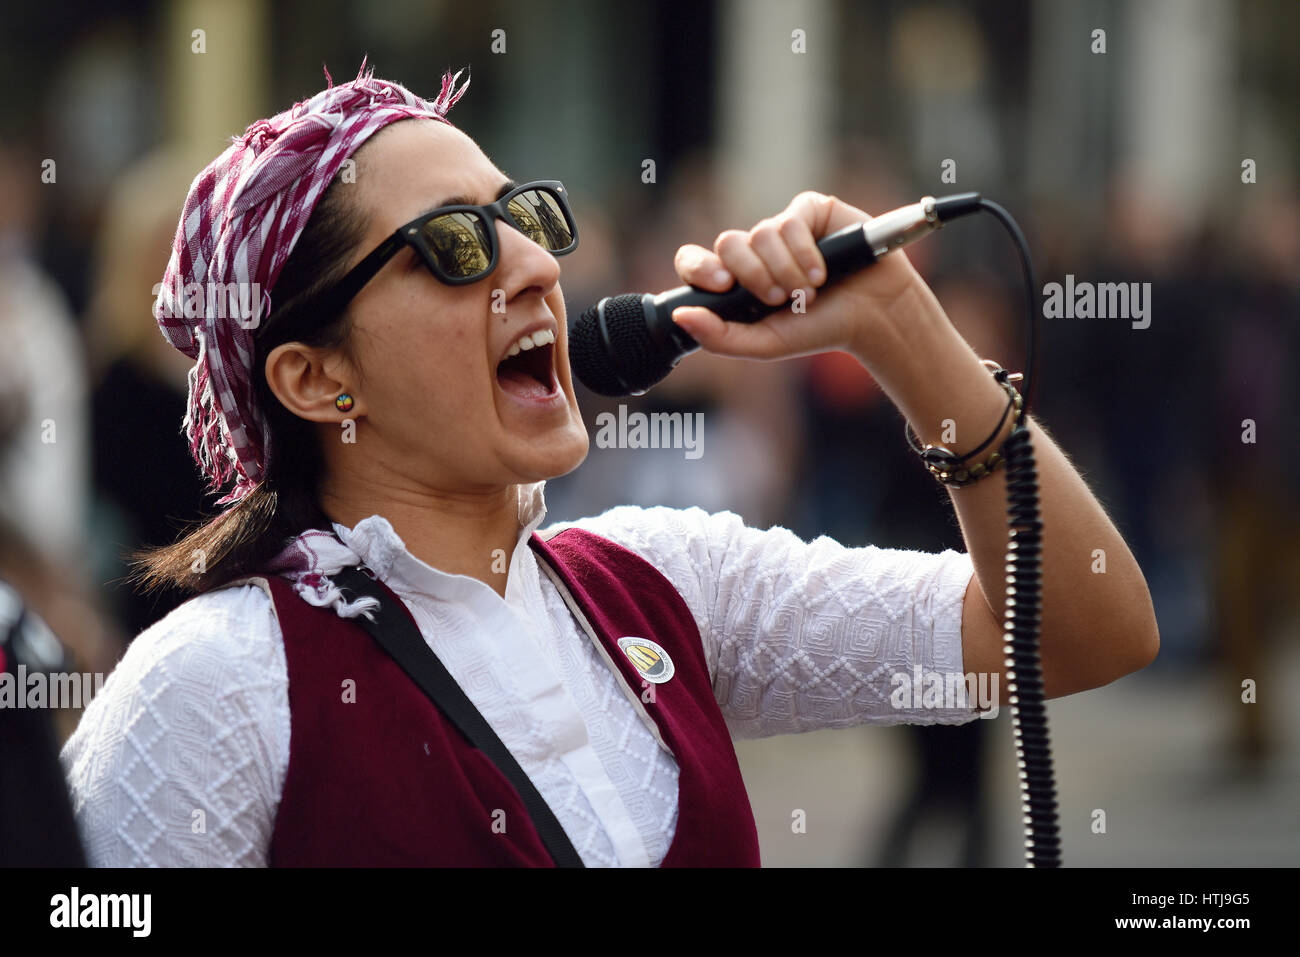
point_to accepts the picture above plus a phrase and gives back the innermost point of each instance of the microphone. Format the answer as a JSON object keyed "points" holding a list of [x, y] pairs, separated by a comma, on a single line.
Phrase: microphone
{"points": [[625, 344]]}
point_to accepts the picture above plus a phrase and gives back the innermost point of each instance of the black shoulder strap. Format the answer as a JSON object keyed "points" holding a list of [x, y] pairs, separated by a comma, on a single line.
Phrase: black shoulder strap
{"points": [[397, 634]]}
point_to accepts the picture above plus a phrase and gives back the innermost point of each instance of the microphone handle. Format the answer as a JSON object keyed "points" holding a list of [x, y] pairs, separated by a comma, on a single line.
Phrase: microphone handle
{"points": [[845, 252]]}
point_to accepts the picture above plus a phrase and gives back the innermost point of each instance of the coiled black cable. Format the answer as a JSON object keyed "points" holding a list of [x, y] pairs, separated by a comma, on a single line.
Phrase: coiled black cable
{"points": [[1023, 615]]}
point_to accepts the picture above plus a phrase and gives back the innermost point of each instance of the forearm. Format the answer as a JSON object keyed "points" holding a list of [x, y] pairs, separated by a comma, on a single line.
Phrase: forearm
{"points": [[1096, 625]]}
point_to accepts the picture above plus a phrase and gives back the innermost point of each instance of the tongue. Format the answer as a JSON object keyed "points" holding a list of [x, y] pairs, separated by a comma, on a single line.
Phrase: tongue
{"points": [[520, 383]]}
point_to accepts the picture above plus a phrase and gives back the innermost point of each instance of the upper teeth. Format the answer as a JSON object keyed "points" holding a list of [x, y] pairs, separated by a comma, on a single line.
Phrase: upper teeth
{"points": [[542, 338]]}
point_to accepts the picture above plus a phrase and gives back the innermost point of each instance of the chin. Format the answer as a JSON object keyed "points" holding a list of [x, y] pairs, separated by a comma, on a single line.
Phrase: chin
{"points": [[553, 455]]}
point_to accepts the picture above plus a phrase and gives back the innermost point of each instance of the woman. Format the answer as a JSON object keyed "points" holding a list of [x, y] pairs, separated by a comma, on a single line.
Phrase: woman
{"points": [[397, 402]]}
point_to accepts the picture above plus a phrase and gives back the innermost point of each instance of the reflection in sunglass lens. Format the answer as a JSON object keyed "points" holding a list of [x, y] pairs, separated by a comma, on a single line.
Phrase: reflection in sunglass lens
{"points": [[460, 243], [538, 214]]}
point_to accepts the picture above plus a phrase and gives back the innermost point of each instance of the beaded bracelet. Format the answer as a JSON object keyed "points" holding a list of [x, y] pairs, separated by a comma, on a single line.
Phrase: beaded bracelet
{"points": [[950, 469]]}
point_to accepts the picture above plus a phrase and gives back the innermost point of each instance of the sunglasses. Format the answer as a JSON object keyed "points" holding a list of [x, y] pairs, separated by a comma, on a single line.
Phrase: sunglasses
{"points": [[459, 243]]}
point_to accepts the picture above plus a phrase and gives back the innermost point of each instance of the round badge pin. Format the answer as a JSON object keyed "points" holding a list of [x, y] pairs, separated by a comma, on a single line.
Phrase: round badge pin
{"points": [[648, 658]]}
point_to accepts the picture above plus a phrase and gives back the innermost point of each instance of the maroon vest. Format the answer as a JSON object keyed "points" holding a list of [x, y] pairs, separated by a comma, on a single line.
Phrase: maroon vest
{"points": [[385, 780]]}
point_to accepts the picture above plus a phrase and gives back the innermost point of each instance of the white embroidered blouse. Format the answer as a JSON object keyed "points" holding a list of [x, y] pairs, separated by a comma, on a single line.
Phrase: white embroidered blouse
{"points": [[181, 758]]}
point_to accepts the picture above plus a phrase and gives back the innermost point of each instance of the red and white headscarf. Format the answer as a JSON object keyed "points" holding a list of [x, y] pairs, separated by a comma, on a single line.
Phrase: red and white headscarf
{"points": [[243, 215]]}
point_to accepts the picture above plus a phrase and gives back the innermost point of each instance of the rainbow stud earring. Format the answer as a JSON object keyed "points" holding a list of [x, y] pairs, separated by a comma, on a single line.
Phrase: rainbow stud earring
{"points": [[343, 403]]}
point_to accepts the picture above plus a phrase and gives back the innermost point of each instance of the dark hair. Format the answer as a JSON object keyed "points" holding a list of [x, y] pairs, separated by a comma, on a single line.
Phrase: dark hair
{"points": [[239, 540]]}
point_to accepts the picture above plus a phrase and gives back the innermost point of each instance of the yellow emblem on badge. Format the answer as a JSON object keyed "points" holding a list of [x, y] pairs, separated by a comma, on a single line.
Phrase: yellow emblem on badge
{"points": [[648, 658]]}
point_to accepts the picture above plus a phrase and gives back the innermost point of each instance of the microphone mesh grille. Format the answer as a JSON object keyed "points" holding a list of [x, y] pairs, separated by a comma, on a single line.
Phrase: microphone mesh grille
{"points": [[635, 359], [587, 356]]}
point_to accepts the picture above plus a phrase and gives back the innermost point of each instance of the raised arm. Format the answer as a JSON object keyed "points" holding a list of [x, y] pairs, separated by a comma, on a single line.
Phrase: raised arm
{"points": [[1097, 626]]}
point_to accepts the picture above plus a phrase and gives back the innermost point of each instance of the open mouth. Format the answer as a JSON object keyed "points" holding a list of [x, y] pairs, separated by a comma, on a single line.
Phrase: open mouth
{"points": [[530, 372]]}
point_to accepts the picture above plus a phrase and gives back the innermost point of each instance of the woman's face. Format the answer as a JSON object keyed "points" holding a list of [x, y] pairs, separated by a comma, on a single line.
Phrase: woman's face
{"points": [[440, 411]]}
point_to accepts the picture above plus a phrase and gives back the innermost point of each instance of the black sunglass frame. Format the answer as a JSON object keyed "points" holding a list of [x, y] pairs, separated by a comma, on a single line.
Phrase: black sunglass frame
{"points": [[412, 234]]}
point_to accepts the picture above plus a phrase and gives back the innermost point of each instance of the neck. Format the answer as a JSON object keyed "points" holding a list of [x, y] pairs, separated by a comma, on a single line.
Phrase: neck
{"points": [[460, 533]]}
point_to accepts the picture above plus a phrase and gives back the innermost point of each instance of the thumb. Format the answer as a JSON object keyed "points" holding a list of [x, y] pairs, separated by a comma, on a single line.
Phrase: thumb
{"points": [[704, 326], [744, 340], [699, 323]]}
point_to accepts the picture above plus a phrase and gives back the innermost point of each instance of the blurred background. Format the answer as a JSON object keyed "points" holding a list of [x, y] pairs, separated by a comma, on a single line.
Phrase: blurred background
{"points": [[1154, 141]]}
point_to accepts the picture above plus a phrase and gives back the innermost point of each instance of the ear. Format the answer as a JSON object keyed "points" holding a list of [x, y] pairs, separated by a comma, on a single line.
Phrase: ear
{"points": [[307, 380]]}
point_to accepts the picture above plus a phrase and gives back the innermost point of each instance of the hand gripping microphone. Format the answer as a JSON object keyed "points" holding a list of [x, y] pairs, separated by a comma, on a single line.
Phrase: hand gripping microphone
{"points": [[625, 344]]}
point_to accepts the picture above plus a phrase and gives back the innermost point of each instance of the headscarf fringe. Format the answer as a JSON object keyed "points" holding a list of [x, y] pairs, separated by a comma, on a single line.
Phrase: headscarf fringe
{"points": [[326, 594]]}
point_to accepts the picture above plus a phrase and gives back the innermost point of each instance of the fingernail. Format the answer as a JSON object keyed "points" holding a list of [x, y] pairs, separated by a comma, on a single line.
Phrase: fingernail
{"points": [[776, 294], [721, 276], [816, 274]]}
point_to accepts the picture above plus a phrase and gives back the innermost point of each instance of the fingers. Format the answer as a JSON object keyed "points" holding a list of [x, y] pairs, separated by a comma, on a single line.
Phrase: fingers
{"points": [[787, 248], [775, 258], [772, 261], [702, 268], [809, 217], [735, 250]]}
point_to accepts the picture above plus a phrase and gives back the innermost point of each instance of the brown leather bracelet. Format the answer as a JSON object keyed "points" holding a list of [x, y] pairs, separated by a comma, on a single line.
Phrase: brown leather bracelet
{"points": [[952, 470]]}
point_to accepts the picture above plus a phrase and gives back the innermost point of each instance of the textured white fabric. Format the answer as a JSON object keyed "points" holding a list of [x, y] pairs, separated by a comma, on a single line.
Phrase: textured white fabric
{"points": [[193, 725]]}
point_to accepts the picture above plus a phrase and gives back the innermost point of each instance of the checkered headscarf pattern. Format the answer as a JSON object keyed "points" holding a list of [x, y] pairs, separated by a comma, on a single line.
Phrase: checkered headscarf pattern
{"points": [[242, 217]]}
